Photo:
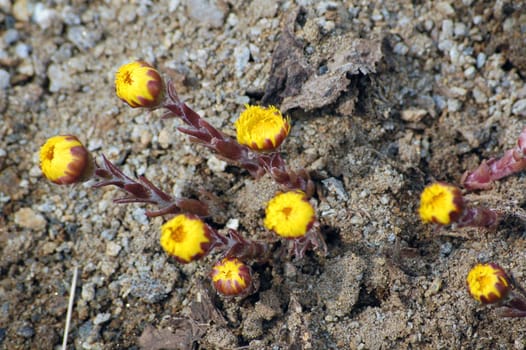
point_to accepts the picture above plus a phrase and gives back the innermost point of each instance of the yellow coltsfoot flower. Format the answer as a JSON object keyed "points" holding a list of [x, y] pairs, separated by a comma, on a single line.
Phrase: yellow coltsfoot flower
{"points": [[139, 85], [289, 214], [186, 238], [441, 203], [488, 283], [64, 160], [231, 277], [262, 128]]}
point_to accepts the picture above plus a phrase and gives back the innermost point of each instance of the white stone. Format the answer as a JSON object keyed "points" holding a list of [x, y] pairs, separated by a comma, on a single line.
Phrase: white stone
{"points": [[112, 249], [242, 56], [216, 165], [43, 16], [519, 108], [5, 78]]}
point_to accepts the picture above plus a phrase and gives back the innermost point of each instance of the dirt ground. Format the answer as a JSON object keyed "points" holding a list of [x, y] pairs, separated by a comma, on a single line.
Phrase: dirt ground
{"points": [[384, 97]]}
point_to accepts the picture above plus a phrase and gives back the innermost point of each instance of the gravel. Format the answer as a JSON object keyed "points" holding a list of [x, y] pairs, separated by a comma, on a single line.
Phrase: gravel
{"points": [[447, 92]]}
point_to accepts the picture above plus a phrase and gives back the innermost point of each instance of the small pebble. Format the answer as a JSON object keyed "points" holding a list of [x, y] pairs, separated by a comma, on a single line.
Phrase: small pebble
{"points": [[148, 289], [102, 318], [447, 29], [59, 78], [21, 10], [43, 16], [460, 30], [445, 8], [216, 165], [519, 108], [85, 330], [242, 56], [232, 224], [434, 288], [11, 36], [453, 105], [28, 218], [127, 14], [164, 138], [25, 331], [356, 220], [481, 60], [401, 49], [112, 249], [139, 215], [413, 115], [336, 186], [173, 5], [88, 292], [479, 96], [446, 249], [206, 12], [5, 78], [83, 38], [22, 50], [69, 16], [470, 72]]}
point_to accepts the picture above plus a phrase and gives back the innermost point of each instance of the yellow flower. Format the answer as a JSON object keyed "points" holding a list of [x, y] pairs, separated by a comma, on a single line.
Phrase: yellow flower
{"points": [[139, 85], [488, 283], [262, 128], [186, 238], [231, 277], [289, 214], [441, 203], [64, 160]]}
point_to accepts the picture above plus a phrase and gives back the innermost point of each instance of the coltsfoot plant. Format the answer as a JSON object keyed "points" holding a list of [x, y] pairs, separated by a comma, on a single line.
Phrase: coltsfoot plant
{"points": [[489, 283], [186, 236], [443, 204], [513, 161]]}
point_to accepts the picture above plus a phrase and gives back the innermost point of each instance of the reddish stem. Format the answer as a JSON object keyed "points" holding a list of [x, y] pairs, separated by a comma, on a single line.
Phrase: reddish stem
{"points": [[255, 163], [513, 161], [478, 217], [143, 191]]}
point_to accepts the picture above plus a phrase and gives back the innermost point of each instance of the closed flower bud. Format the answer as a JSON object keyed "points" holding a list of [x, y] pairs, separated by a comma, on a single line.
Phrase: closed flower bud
{"points": [[289, 214], [262, 128], [186, 238], [441, 203], [64, 160], [139, 85], [231, 277], [488, 283]]}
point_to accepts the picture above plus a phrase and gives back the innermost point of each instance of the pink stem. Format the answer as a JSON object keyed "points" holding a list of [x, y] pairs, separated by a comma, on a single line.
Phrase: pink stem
{"points": [[255, 163], [513, 161], [478, 217], [143, 191]]}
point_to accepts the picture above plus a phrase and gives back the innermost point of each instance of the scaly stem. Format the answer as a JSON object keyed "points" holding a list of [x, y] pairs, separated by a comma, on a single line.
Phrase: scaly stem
{"points": [[143, 191], [479, 217], [235, 245], [513, 161], [255, 163]]}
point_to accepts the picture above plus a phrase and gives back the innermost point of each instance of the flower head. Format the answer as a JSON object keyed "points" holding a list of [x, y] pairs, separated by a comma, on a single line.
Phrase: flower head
{"points": [[186, 238], [488, 283], [231, 277], [262, 128], [64, 160], [139, 85], [441, 203], [289, 214]]}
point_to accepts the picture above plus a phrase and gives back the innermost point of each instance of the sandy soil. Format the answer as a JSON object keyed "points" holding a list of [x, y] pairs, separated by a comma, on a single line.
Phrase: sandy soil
{"points": [[384, 97]]}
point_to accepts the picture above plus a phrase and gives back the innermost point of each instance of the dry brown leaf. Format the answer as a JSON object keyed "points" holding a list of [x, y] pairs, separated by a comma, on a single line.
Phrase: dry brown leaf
{"points": [[358, 56], [180, 338], [293, 81]]}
